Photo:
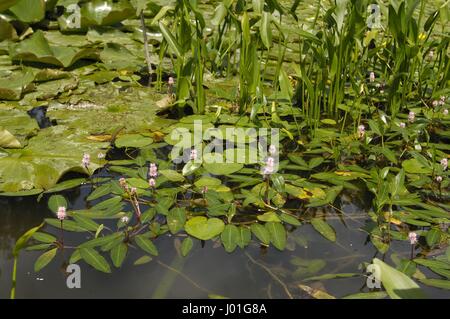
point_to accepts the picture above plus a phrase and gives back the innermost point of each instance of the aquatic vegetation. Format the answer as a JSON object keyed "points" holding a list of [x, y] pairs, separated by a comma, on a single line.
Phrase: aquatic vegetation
{"points": [[173, 100]]}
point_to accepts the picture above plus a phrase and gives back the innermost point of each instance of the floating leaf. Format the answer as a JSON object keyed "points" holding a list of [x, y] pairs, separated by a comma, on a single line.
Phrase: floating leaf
{"points": [[244, 236], [172, 175], [433, 236], [229, 238], [176, 219], [277, 234], [142, 260], [146, 245], [290, 219], [439, 283], [269, 217], [118, 254], [44, 238], [204, 228], [94, 259], [261, 233], [413, 166], [45, 259]]}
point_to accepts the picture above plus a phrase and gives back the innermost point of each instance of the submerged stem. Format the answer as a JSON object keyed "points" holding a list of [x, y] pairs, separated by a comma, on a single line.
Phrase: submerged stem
{"points": [[275, 277]]}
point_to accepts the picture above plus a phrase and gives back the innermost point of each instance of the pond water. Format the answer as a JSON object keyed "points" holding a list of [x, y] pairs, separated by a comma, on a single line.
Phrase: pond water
{"points": [[208, 270]]}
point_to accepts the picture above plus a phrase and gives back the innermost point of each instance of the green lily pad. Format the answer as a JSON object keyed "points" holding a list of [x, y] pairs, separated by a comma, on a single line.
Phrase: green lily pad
{"points": [[13, 86], [29, 11], [117, 57], [7, 31], [37, 49], [15, 128], [204, 228], [49, 155]]}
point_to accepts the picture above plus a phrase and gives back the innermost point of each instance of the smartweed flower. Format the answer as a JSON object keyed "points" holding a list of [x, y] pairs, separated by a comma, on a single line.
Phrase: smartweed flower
{"points": [[445, 112], [412, 236], [402, 125], [61, 213], [411, 117], [444, 163], [153, 170], [152, 182], [269, 167], [361, 131], [86, 161], [439, 179], [372, 77], [125, 219]]}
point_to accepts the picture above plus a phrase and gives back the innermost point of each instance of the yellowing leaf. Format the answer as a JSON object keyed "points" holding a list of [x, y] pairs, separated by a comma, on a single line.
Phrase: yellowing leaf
{"points": [[308, 193], [342, 173], [391, 219], [100, 138]]}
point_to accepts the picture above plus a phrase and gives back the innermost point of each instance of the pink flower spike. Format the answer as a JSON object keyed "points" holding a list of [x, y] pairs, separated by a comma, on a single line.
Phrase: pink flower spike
{"points": [[444, 163], [361, 131], [372, 77], [153, 170], [445, 112], [412, 236], [61, 213], [402, 125], [439, 179], [152, 182], [411, 117], [86, 161]]}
